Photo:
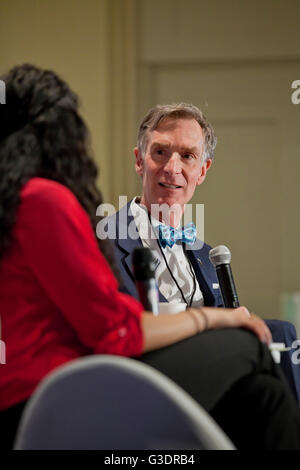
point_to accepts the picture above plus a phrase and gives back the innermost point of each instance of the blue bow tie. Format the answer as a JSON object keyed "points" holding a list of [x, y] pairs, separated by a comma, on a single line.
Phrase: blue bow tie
{"points": [[169, 235]]}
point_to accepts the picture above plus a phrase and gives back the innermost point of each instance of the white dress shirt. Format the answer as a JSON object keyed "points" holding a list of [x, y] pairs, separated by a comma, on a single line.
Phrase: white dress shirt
{"points": [[176, 259]]}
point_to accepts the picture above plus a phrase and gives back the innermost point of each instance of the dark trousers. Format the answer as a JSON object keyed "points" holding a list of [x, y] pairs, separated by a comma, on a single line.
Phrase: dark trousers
{"points": [[233, 376], [9, 421]]}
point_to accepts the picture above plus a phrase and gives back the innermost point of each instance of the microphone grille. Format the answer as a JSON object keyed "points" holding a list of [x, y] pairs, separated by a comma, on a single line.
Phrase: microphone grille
{"points": [[220, 255]]}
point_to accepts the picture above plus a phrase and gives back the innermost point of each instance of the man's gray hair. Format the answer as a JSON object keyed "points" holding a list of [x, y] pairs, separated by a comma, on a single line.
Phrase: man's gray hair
{"points": [[177, 111]]}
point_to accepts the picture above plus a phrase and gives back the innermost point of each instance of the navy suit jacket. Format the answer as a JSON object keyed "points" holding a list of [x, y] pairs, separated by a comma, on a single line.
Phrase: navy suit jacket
{"points": [[124, 235], [121, 227]]}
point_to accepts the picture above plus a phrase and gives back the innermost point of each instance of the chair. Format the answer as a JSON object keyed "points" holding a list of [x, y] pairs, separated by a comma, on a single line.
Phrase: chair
{"points": [[110, 402]]}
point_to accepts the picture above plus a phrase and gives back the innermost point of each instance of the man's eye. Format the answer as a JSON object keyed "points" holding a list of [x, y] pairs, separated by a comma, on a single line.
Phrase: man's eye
{"points": [[160, 151], [188, 156]]}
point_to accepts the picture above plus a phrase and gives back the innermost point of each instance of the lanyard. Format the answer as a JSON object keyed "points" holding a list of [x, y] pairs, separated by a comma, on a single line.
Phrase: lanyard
{"points": [[189, 304]]}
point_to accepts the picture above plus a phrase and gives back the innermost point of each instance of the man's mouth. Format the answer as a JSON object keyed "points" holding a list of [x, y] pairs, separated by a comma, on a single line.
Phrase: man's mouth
{"points": [[169, 186]]}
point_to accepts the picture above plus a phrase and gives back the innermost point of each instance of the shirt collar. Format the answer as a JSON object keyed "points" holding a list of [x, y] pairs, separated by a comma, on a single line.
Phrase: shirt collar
{"points": [[140, 214]]}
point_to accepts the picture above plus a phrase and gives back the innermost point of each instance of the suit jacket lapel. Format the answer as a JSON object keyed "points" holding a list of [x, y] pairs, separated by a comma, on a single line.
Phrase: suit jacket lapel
{"points": [[128, 239], [202, 271]]}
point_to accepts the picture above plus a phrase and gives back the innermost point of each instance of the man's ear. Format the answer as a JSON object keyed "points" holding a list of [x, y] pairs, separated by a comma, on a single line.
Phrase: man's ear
{"points": [[139, 162], [206, 165]]}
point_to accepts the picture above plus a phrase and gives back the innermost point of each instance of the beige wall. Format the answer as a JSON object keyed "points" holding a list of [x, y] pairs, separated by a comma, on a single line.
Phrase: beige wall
{"points": [[234, 59], [73, 37]]}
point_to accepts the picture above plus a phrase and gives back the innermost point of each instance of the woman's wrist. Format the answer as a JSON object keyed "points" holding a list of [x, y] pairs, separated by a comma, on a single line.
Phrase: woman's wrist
{"points": [[200, 319], [205, 317]]}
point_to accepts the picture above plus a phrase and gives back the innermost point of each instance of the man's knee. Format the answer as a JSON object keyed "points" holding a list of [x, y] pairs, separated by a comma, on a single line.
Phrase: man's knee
{"points": [[234, 344], [282, 331]]}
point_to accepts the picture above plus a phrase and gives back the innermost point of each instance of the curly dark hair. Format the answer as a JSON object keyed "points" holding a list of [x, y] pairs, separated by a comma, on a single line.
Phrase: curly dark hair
{"points": [[42, 135]]}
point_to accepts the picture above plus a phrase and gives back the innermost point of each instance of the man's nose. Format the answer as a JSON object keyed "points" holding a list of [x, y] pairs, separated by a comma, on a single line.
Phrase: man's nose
{"points": [[173, 165]]}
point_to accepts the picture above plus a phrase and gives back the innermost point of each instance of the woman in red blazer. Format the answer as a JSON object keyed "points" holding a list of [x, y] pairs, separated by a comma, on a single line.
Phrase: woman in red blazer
{"points": [[59, 297]]}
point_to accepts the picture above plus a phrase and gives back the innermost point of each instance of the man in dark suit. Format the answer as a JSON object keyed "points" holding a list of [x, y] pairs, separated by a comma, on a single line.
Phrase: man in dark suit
{"points": [[175, 150]]}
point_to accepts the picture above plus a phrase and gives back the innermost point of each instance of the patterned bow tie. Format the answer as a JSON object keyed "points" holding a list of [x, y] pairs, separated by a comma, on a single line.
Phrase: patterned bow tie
{"points": [[169, 235]]}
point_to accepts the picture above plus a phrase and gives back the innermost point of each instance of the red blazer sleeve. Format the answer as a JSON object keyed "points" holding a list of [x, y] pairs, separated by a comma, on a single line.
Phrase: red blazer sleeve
{"points": [[61, 249]]}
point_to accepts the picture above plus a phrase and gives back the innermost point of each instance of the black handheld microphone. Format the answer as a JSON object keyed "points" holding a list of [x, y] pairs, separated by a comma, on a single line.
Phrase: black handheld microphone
{"points": [[144, 269], [220, 257]]}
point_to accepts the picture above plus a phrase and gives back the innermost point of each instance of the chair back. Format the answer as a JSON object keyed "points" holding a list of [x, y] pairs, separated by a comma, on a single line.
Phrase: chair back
{"points": [[110, 402]]}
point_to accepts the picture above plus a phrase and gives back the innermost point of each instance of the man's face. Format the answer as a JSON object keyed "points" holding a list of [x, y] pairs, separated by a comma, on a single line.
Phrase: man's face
{"points": [[172, 165]]}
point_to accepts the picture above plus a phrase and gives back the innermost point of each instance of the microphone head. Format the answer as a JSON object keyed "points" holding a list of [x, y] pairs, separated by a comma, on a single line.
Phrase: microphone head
{"points": [[220, 255], [143, 264]]}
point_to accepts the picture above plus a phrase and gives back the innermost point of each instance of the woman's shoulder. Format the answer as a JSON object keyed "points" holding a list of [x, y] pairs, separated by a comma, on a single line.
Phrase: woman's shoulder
{"points": [[44, 191], [46, 203]]}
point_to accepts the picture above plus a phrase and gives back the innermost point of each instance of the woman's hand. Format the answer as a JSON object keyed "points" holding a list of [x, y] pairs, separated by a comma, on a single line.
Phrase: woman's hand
{"points": [[162, 330], [236, 318]]}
